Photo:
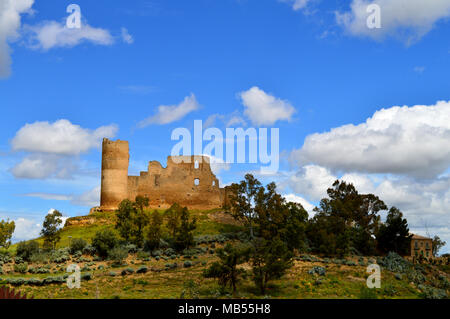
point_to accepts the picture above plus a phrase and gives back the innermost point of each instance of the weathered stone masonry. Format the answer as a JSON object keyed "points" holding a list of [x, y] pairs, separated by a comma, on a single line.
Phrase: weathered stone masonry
{"points": [[187, 180]]}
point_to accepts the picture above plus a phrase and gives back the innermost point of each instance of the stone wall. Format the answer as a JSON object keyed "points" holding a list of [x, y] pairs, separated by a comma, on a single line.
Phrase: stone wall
{"points": [[187, 180]]}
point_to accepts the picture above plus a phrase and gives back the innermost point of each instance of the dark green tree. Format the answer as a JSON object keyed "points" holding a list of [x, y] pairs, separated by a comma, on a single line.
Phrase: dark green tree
{"points": [[132, 219], [394, 234], [242, 201], [173, 216], [226, 269], [270, 259], [6, 231], [344, 220], [184, 235], [153, 231], [51, 229]]}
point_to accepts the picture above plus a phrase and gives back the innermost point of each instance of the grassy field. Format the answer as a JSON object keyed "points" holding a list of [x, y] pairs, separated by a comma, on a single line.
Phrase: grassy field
{"points": [[339, 281]]}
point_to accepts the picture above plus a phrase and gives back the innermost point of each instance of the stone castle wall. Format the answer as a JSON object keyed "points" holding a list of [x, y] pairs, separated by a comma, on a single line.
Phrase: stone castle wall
{"points": [[187, 180]]}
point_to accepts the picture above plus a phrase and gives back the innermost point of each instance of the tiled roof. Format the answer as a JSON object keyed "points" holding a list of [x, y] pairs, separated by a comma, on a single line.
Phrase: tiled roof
{"points": [[419, 237]]}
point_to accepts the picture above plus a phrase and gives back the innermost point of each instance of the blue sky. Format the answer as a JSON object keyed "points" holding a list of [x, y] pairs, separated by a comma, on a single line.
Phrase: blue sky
{"points": [[309, 60]]}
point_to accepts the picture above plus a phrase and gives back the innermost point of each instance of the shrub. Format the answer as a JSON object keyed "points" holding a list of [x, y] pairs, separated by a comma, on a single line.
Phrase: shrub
{"points": [[187, 264], [21, 268], [118, 255], [317, 270], [39, 258], [77, 245], [89, 250], [131, 248], [87, 276], [142, 270], [26, 249], [127, 271], [112, 274], [104, 241], [429, 292]]}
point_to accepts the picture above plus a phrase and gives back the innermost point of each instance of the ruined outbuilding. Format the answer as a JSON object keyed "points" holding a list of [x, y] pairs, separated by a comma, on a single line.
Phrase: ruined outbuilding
{"points": [[187, 180]]}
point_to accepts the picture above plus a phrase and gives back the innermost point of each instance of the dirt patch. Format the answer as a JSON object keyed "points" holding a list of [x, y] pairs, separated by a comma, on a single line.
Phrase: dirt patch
{"points": [[224, 218]]}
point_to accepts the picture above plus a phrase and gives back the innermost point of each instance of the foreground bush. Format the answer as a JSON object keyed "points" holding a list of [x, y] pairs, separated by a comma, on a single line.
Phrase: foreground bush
{"points": [[26, 249], [77, 245], [104, 241]]}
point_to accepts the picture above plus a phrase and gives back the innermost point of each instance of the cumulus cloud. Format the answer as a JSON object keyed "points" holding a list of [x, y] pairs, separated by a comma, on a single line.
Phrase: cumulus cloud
{"points": [[170, 113], [313, 181], [10, 21], [25, 229], [41, 166], [406, 19], [405, 140], [265, 109], [53, 148], [61, 137], [126, 37], [53, 34]]}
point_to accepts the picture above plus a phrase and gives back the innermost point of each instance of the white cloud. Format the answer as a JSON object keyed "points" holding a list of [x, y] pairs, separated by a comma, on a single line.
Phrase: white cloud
{"points": [[171, 113], [265, 109], [53, 148], [48, 196], [126, 37], [405, 140], [297, 199], [61, 137], [41, 166], [297, 4], [90, 198], [52, 34], [10, 11], [313, 181], [217, 164], [233, 119], [25, 229], [405, 19]]}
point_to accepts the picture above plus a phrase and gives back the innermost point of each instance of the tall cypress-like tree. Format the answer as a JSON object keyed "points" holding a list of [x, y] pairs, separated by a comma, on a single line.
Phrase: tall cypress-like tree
{"points": [[394, 234]]}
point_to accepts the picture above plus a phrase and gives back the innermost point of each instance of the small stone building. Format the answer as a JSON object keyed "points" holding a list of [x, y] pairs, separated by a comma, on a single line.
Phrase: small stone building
{"points": [[421, 246]]}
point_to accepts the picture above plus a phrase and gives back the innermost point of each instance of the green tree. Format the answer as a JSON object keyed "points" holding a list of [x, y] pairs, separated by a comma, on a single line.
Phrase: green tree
{"points": [[104, 241], [153, 231], [270, 259], [394, 234], [184, 236], [242, 201], [173, 216], [226, 270], [344, 220], [132, 219], [51, 229], [6, 231], [437, 245]]}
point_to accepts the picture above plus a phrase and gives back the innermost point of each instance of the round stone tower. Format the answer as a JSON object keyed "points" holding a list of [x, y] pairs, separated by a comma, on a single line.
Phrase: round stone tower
{"points": [[115, 160]]}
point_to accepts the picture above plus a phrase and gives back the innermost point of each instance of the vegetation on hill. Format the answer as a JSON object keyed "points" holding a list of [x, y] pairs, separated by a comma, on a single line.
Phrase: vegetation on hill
{"points": [[259, 246]]}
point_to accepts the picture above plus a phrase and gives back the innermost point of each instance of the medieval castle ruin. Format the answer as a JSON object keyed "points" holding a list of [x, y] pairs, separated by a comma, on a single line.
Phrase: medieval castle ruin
{"points": [[187, 180]]}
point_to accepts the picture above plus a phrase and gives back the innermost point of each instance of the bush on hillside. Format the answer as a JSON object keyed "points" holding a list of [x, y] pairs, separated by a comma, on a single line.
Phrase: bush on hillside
{"points": [[77, 245], [25, 249], [104, 241]]}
